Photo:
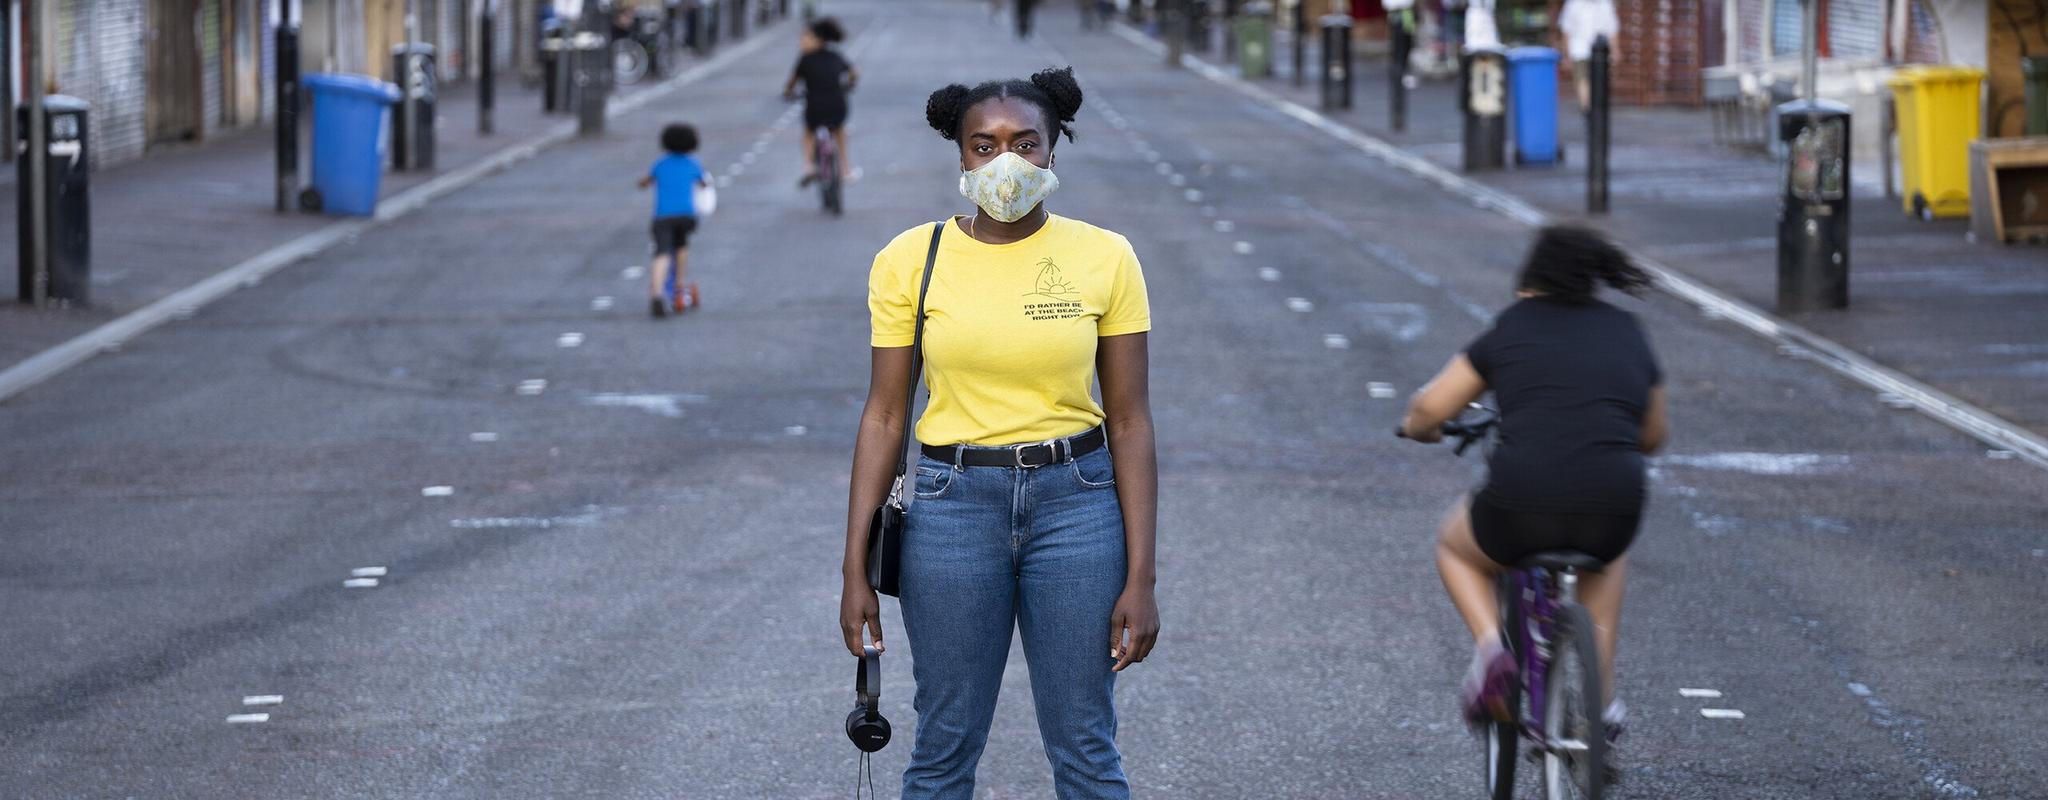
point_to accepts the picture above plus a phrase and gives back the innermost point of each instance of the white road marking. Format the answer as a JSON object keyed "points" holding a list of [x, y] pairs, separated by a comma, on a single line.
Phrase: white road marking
{"points": [[570, 339], [1300, 305], [359, 583], [1163, 168], [1379, 390], [532, 386], [796, 430], [635, 271], [665, 405], [589, 516], [1759, 463], [724, 180], [737, 170], [603, 303], [369, 572], [1721, 713], [483, 436], [2041, 553], [1243, 248], [1859, 690], [1336, 341], [1193, 195], [2000, 455], [748, 157], [1177, 180], [1225, 226], [262, 699], [243, 719], [1269, 274], [1153, 157], [1707, 693], [437, 491]]}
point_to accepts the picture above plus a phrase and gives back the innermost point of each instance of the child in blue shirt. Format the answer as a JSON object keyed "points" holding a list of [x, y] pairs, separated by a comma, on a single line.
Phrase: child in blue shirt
{"points": [[676, 178]]}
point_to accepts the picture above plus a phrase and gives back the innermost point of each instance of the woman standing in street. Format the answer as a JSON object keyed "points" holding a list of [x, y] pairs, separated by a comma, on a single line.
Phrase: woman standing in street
{"points": [[1021, 520]]}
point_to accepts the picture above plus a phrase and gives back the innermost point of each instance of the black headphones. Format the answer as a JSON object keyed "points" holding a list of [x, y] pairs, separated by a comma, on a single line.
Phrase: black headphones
{"points": [[865, 725]]}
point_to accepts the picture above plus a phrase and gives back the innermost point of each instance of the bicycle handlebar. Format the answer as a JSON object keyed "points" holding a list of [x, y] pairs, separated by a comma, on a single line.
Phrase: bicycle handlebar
{"points": [[1466, 431]]}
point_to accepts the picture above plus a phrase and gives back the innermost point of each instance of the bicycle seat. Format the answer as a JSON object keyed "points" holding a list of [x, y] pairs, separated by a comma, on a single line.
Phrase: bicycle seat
{"points": [[1559, 560]]}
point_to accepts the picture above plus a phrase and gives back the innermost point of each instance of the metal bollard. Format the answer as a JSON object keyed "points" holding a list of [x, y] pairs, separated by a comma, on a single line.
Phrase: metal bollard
{"points": [[1171, 18], [1597, 127], [593, 65], [737, 9], [1397, 71], [287, 112], [1300, 8], [1336, 61], [487, 68]]}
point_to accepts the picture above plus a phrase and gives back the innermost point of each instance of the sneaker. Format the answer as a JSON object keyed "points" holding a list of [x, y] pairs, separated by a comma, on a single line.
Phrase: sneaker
{"points": [[1611, 719], [693, 298], [1488, 682], [657, 307]]}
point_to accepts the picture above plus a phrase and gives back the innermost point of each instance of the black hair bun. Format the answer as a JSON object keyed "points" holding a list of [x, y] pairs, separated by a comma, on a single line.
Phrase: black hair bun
{"points": [[1061, 88], [944, 109], [828, 30]]}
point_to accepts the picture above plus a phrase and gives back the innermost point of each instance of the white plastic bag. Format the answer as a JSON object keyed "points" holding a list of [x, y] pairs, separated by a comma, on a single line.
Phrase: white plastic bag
{"points": [[704, 197]]}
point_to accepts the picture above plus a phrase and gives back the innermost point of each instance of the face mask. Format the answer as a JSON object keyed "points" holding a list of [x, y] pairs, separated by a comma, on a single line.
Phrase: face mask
{"points": [[1008, 187]]}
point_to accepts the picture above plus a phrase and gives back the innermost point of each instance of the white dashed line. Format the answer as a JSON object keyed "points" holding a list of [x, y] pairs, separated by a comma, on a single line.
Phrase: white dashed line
{"points": [[1706, 693], [2000, 455], [796, 430], [1177, 180], [368, 572], [725, 180], [1193, 195], [635, 271], [1379, 390], [262, 699], [359, 583], [1269, 274], [437, 491], [1225, 226], [748, 157], [483, 436], [1163, 168], [1243, 248], [1336, 341], [244, 719], [570, 339], [1300, 305], [532, 386], [737, 169], [1721, 713], [601, 303]]}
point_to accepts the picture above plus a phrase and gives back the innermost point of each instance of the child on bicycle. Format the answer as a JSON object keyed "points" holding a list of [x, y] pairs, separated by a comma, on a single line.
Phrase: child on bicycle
{"points": [[1579, 388], [676, 177], [827, 78]]}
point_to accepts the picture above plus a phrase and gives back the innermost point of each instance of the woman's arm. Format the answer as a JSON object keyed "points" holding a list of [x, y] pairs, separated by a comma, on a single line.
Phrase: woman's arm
{"points": [[1440, 400], [852, 77], [874, 466], [1656, 425], [1127, 407]]}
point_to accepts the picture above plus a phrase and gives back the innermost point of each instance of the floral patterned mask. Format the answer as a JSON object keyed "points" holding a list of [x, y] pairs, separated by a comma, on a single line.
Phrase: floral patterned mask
{"points": [[1008, 187]]}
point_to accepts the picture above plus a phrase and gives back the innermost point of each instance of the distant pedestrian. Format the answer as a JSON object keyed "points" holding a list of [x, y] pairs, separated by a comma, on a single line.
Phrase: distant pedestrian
{"points": [[827, 78], [677, 178], [1581, 22], [1034, 505]]}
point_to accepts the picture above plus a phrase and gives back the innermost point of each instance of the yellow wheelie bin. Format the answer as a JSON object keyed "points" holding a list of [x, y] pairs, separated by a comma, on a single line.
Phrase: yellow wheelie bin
{"points": [[1938, 115]]}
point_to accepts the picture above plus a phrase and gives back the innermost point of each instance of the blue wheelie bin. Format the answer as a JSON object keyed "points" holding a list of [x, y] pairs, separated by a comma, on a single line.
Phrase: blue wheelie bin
{"points": [[348, 126], [1532, 91]]}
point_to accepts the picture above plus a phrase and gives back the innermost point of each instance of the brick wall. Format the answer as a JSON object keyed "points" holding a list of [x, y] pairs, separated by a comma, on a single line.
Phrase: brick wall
{"points": [[1658, 61]]}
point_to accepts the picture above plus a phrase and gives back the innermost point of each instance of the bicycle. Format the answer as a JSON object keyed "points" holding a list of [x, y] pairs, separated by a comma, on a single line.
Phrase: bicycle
{"points": [[1553, 642], [829, 181]]}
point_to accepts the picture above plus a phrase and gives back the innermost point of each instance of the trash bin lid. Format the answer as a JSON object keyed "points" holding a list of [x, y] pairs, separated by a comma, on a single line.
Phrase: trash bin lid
{"points": [[1532, 54], [63, 104], [411, 48], [1934, 73], [359, 85]]}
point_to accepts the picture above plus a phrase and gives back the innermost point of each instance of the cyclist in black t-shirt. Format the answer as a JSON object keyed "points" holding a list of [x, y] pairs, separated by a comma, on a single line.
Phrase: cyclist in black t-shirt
{"points": [[827, 78], [1581, 402]]}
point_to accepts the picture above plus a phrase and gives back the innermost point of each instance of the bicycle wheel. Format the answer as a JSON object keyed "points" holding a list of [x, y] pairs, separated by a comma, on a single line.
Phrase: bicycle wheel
{"points": [[629, 62], [828, 178], [1575, 740], [1504, 739]]}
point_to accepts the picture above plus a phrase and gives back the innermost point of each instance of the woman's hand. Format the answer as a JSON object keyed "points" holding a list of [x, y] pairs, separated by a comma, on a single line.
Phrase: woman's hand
{"points": [[859, 608], [1133, 627]]}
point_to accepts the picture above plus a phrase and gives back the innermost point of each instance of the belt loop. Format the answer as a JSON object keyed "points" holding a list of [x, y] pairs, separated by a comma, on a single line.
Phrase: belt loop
{"points": [[1064, 451], [959, 451]]}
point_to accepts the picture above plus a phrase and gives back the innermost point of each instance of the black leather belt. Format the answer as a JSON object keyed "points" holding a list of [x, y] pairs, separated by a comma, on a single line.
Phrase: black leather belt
{"points": [[1036, 454]]}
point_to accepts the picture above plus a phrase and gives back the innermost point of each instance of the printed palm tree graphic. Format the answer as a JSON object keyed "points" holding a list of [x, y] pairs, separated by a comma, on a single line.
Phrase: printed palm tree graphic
{"points": [[1051, 283]]}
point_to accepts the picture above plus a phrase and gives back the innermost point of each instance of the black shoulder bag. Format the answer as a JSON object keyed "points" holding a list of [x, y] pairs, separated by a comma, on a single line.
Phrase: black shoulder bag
{"points": [[885, 528]]}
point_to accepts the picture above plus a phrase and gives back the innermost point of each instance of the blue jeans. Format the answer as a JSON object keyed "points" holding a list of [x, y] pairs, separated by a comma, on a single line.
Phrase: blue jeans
{"points": [[991, 549]]}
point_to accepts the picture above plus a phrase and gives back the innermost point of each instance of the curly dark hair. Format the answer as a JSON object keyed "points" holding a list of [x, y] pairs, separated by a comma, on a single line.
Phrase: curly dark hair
{"points": [[1569, 262], [828, 30], [679, 139], [1053, 90]]}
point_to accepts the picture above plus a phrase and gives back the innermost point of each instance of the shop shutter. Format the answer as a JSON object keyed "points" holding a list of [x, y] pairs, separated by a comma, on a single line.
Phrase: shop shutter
{"points": [[1856, 29], [1787, 30]]}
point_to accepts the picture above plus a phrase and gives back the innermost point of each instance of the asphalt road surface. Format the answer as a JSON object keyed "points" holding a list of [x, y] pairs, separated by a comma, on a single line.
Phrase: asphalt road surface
{"points": [[629, 587]]}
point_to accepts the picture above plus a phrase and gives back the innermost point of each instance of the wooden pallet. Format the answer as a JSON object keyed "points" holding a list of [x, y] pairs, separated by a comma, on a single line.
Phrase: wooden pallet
{"points": [[2009, 189]]}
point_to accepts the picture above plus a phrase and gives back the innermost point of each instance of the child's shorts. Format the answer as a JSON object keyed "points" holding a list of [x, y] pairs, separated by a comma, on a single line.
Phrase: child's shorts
{"points": [[672, 233]]}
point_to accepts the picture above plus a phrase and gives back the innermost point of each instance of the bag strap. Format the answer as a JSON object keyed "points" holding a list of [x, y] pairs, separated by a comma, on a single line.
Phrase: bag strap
{"points": [[931, 259]]}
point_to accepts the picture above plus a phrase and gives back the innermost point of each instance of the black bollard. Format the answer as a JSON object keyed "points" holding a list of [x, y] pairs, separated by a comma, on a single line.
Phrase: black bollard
{"points": [[1597, 127], [1336, 61], [1397, 71], [487, 70], [1300, 41], [1171, 17], [738, 10], [1813, 209], [287, 110]]}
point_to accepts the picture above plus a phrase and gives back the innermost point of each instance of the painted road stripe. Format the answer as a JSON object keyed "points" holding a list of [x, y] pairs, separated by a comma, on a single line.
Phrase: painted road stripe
{"points": [[359, 583], [1828, 353], [1269, 274], [245, 719], [1336, 341], [1379, 390], [262, 699], [532, 386], [369, 572], [1243, 248], [1300, 305], [437, 491], [49, 363], [571, 339], [1225, 226], [1707, 693], [1721, 713], [603, 303], [483, 436]]}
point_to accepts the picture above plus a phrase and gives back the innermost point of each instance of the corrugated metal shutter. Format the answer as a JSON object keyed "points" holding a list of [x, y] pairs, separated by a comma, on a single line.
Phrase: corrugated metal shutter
{"points": [[1787, 28], [454, 57], [1856, 29], [102, 57], [212, 76]]}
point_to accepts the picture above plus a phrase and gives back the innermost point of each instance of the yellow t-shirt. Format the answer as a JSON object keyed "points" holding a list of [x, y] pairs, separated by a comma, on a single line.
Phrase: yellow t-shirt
{"points": [[1010, 329]]}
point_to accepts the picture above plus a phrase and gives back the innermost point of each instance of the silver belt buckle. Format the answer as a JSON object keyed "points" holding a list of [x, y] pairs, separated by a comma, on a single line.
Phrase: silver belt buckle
{"points": [[1017, 453]]}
